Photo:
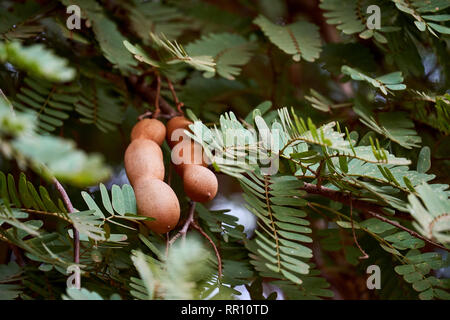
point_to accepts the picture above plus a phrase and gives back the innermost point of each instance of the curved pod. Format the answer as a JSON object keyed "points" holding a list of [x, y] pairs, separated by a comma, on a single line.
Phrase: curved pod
{"points": [[157, 200], [144, 158]]}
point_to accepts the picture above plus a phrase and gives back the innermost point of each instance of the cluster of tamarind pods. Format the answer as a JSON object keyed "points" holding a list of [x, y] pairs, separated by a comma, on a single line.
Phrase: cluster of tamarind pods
{"points": [[144, 167]]}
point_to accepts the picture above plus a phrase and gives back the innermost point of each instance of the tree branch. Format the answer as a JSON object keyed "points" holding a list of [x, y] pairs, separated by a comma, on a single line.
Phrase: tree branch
{"points": [[76, 235], [370, 208], [185, 228], [203, 233], [150, 94]]}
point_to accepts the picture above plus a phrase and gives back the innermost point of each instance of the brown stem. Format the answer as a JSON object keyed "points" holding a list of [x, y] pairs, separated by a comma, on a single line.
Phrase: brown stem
{"points": [[76, 235], [340, 197], [157, 97], [203, 233], [413, 233], [175, 98], [185, 228], [373, 209], [365, 255], [149, 94]]}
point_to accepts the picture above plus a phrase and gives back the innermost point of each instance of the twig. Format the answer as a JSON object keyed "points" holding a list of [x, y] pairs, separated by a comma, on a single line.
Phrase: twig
{"points": [[373, 209], [413, 233], [203, 233], [149, 94], [178, 104], [365, 255], [318, 173], [145, 115], [185, 228], [158, 94], [76, 235]]}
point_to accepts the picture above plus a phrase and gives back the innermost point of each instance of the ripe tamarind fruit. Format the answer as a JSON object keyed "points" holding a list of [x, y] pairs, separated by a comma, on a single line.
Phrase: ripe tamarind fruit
{"points": [[156, 199], [174, 124], [143, 158], [187, 152], [200, 184], [144, 166], [151, 129]]}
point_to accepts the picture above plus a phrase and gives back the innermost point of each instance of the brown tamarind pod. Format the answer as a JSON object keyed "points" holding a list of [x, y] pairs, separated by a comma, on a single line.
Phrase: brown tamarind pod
{"points": [[157, 200], [174, 124], [143, 157], [187, 152], [151, 129], [199, 183]]}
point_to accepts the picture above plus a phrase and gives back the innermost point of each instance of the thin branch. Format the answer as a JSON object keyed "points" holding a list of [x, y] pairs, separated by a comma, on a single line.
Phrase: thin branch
{"points": [[340, 197], [149, 94], [178, 104], [76, 235], [185, 228], [413, 233], [203, 233], [365, 255], [157, 97], [318, 173], [370, 208]]}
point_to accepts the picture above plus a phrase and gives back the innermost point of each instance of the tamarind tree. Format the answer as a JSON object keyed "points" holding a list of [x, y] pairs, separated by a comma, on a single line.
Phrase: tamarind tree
{"points": [[334, 129]]}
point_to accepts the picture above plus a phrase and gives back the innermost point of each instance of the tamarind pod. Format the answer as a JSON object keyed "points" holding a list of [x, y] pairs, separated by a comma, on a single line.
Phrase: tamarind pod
{"points": [[187, 152], [199, 183], [157, 200], [143, 158], [151, 129], [177, 123]]}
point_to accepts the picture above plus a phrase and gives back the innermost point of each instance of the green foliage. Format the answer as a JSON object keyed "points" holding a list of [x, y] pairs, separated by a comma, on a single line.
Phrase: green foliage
{"points": [[108, 36], [180, 276], [229, 52], [417, 270], [9, 273], [37, 60], [417, 9], [51, 102], [393, 125], [351, 17], [276, 248], [159, 18], [300, 39], [433, 219], [343, 163], [391, 81], [50, 156], [100, 104]]}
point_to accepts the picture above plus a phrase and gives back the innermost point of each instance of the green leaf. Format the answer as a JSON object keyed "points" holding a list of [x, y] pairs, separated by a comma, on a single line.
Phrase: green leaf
{"points": [[300, 39], [229, 52], [424, 161], [37, 60]]}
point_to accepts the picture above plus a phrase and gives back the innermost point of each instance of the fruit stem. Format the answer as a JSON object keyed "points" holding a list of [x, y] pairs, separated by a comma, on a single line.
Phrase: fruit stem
{"points": [[70, 208], [178, 104], [186, 225], [203, 233]]}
